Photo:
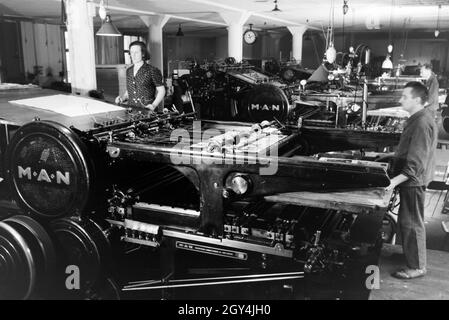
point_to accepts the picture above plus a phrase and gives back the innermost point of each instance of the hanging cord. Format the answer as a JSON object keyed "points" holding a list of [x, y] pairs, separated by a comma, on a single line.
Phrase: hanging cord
{"points": [[333, 21], [330, 28], [324, 34], [406, 36], [352, 27], [343, 40], [391, 18], [438, 19], [316, 52]]}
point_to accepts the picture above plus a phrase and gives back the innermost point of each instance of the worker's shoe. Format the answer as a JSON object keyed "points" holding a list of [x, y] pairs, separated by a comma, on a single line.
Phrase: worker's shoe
{"points": [[445, 225], [409, 273]]}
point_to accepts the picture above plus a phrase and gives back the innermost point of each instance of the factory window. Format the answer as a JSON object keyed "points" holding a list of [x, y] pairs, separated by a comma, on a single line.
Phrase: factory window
{"points": [[127, 39]]}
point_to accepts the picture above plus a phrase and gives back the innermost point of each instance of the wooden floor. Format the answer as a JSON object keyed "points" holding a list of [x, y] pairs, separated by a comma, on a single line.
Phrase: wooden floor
{"points": [[434, 286]]}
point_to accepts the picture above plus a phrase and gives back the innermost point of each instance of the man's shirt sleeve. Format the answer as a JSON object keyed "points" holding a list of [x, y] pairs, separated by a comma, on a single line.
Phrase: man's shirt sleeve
{"points": [[433, 92], [419, 152]]}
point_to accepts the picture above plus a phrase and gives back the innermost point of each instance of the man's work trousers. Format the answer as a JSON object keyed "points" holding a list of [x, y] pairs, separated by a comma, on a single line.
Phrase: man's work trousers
{"points": [[411, 225]]}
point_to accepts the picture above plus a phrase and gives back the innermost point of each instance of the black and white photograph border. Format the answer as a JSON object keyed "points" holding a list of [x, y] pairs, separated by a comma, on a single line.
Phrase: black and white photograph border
{"points": [[222, 157]]}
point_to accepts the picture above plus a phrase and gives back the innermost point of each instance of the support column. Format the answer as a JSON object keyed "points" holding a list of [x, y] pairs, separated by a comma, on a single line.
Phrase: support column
{"points": [[155, 26], [297, 34], [81, 46], [235, 22]]}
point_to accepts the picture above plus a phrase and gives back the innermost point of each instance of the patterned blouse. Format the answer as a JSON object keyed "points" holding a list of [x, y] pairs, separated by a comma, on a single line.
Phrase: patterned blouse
{"points": [[142, 87]]}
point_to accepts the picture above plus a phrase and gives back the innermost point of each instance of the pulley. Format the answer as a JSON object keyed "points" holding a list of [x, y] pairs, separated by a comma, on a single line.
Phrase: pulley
{"points": [[82, 243], [27, 258], [105, 289]]}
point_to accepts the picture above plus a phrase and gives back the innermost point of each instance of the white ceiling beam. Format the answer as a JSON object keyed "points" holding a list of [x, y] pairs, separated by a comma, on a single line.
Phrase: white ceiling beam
{"points": [[198, 20], [256, 14], [286, 22], [146, 12], [218, 5], [206, 2], [239, 18], [157, 20]]}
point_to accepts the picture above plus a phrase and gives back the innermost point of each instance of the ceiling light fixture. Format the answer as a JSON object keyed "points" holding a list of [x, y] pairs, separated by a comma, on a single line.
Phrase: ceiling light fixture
{"points": [[437, 30], [331, 53], [390, 48], [387, 64], [179, 33], [108, 29], [345, 7], [102, 10], [276, 9]]}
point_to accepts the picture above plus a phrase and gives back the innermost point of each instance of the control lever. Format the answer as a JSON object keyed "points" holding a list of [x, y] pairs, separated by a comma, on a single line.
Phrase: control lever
{"points": [[314, 261]]}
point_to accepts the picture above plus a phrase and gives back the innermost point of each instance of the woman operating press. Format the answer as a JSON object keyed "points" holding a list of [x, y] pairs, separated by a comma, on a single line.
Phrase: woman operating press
{"points": [[144, 84]]}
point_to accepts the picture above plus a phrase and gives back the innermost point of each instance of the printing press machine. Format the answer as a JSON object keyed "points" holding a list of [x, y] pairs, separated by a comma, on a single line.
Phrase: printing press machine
{"points": [[331, 120], [240, 192]]}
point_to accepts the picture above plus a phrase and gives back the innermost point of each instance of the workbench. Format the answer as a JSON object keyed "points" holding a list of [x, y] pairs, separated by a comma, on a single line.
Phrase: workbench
{"points": [[355, 201], [20, 114]]}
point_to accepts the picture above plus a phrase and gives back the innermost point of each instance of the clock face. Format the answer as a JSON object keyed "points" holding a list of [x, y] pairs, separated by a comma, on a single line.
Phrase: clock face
{"points": [[250, 37]]}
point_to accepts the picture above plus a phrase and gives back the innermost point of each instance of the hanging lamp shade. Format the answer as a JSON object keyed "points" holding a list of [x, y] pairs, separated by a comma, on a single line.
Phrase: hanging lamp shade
{"points": [[390, 48], [102, 10], [345, 7], [108, 29], [387, 64], [276, 9], [179, 33], [331, 54]]}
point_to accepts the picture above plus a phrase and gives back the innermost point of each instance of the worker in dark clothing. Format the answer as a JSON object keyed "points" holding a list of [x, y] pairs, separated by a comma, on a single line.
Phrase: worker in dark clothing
{"points": [[414, 168], [144, 83], [432, 86]]}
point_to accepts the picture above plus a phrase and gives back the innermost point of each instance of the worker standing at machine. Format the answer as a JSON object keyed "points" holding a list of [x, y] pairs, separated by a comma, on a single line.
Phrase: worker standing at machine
{"points": [[144, 83], [432, 86], [414, 168]]}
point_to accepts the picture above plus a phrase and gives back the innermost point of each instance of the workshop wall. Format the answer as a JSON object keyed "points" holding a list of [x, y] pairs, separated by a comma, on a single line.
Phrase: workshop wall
{"points": [[11, 65], [109, 50], [221, 47], [267, 47], [417, 49], [43, 50], [188, 47], [33, 51]]}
